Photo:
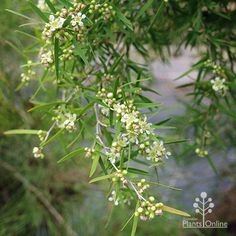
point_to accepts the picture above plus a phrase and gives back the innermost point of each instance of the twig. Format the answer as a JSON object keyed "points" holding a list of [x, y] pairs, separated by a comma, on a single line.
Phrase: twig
{"points": [[98, 133]]}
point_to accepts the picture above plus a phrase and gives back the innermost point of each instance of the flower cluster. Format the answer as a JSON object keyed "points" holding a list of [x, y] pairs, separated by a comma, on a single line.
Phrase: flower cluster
{"points": [[137, 131], [105, 9], [41, 135], [142, 186], [123, 197], [216, 69], [157, 151], [201, 152], [67, 53], [46, 57], [37, 152], [54, 24], [25, 77], [116, 149], [149, 209], [218, 85], [65, 120], [89, 151], [120, 177]]}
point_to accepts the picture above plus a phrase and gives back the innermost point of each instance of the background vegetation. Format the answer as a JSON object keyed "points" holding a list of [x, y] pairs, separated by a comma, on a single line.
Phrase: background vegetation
{"points": [[44, 198]]}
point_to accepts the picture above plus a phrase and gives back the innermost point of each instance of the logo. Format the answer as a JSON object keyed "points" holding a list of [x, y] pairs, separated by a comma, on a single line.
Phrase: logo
{"points": [[203, 206]]}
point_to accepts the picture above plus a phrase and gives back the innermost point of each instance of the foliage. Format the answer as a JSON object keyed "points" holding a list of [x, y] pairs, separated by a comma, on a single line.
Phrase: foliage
{"points": [[91, 92]]}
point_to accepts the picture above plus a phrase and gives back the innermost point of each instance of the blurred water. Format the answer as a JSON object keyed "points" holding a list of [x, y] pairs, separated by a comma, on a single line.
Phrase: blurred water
{"points": [[196, 176]]}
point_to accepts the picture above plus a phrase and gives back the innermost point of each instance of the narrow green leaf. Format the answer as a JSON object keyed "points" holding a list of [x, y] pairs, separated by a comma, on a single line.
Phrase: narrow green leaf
{"points": [[100, 178], [135, 222], [50, 5], [21, 131], [116, 63], [148, 105], [116, 84], [85, 108], [70, 155], [66, 3], [46, 105], [154, 18], [56, 56], [149, 89], [177, 141], [163, 121], [52, 138], [196, 66], [144, 8], [127, 222], [39, 12], [212, 165], [18, 14], [175, 211], [123, 18], [81, 52], [137, 171], [94, 165]]}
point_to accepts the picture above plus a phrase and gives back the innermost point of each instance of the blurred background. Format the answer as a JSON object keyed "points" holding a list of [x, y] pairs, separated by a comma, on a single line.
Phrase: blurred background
{"points": [[45, 198]]}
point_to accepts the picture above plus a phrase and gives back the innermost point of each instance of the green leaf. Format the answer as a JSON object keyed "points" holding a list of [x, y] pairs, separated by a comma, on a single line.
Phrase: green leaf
{"points": [[148, 105], [66, 3], [137, 171], [162, 122], [85, 108], [39, 12], [135, 222], [50, 5], [175, 211], [154, 18], [70, 155], [116, 84], [46, 105], [94, 165], [177, 141], [52, 138], [149, 89], [81, 52], [127, 222], [100, 178], [56, 56], [115, 64], [123, 18], [144, 8], [21, 131], [18, 14], [212, 165], [196, 66]]}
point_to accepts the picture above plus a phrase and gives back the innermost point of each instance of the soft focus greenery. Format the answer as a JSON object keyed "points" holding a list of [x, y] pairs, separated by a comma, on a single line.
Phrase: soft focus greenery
{"points": [[42, 197]]}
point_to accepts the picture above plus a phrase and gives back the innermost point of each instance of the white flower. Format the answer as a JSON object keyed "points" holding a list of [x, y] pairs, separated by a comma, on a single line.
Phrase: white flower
{"points": [[69, 123], [46, 58], [113, 198], [218, 85], [55, 23], [38, 152], [157, 151], [78, 19]]}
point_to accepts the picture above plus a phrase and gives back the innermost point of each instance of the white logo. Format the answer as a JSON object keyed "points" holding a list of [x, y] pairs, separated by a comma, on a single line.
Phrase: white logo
{"points": [[203, 206]]}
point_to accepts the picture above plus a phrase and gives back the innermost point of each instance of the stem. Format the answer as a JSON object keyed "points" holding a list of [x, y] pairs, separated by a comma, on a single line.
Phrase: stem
{"points": [[98, 133]]}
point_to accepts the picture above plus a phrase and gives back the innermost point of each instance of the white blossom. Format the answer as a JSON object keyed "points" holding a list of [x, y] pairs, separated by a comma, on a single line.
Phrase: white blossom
{"points": [[37, 152], [78, 19], [218, 85]]}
